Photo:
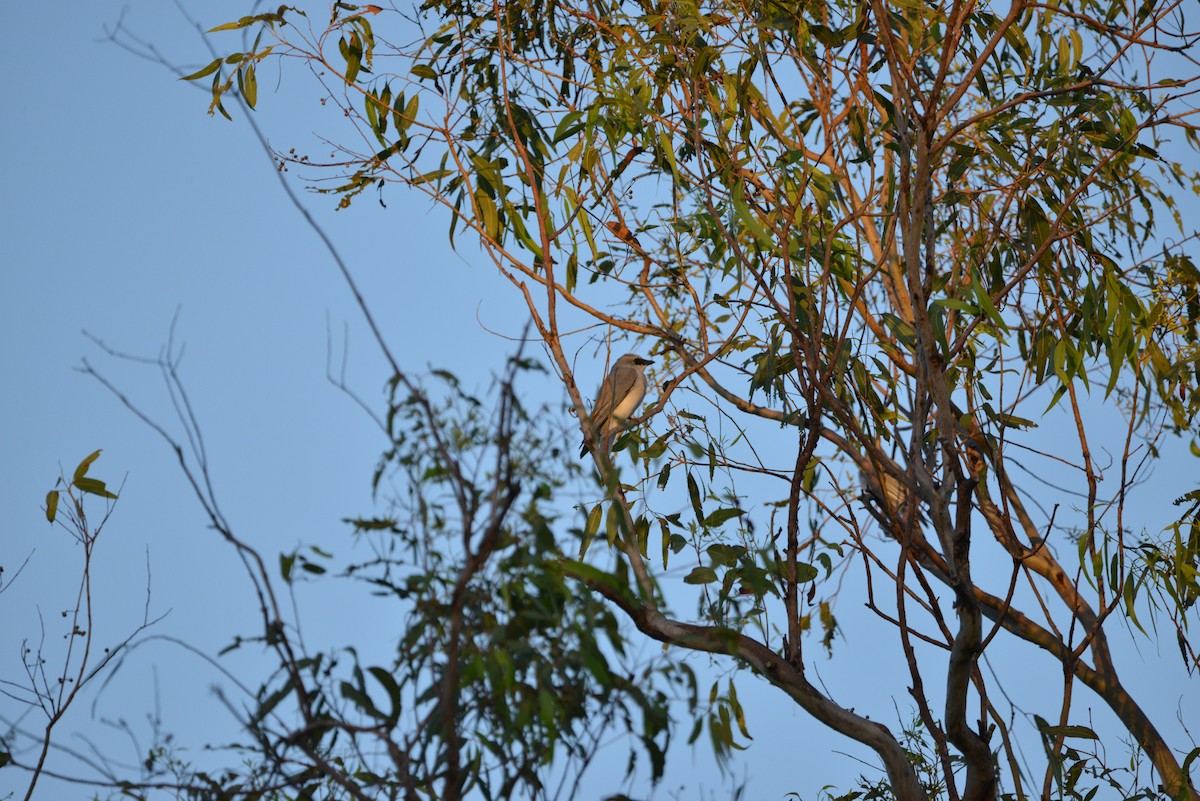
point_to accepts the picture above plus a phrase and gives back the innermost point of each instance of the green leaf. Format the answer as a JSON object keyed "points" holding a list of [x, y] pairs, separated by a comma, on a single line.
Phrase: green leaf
{"points": [[568, 126], [957, 305], [352, 52], [668, 150], [388, 682], [212, 67], [701, 575], [984, 298], [410, 113], [1012, 421], [612, 524], [590, 528], [361, 700], [286, 560], [1056, 397], [738, 714], [218, 89], [246, 22], [1129, 596], [372, 524], [694, 494], [486, 211], [726, 555], [1082, 732], [641, 532], [93, 486], [82, 470], [272, 701], [720, 516], [374, 106], [664, 475], [51, 505], [805, 572], [666, 540], [250, 86], [233, 646]]}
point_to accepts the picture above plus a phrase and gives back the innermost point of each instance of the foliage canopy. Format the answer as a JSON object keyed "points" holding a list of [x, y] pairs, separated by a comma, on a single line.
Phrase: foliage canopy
{"points": [[900, 234], [872, 246]]}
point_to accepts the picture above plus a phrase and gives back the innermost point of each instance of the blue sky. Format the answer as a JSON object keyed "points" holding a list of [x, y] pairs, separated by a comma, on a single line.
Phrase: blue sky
{"points": [[124, 207]]}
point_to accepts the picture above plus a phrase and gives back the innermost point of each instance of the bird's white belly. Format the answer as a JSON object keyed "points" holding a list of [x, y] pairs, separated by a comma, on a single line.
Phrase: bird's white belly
{"points": [[630, 402]]}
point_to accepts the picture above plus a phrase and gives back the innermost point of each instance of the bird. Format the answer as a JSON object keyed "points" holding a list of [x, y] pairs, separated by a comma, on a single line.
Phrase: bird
{"points": [[620, 393], [891, 498]]}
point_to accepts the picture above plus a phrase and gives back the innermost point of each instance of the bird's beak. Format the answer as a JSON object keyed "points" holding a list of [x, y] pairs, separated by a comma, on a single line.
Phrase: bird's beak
{"points": [[643, 361]]}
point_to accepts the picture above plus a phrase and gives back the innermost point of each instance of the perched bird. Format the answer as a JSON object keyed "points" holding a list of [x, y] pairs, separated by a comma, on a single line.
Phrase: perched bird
{"points": [[621, 392], [888, 494]]}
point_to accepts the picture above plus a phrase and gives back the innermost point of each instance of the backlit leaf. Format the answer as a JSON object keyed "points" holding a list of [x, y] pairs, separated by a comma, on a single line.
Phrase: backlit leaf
{"points": [[212, 67], [94, 486], [82, 469]]}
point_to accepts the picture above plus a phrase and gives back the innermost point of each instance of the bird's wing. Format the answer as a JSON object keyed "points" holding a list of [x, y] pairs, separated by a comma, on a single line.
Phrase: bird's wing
{"points": [[602, 408]]}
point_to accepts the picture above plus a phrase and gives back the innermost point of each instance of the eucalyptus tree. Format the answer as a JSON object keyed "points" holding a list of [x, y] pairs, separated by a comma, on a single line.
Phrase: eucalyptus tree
{"points": [[870, 246]]}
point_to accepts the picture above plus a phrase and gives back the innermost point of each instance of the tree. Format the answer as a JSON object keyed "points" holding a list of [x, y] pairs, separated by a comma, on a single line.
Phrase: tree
{"points": [[501, 668], [870, 246], [53, 677]]}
